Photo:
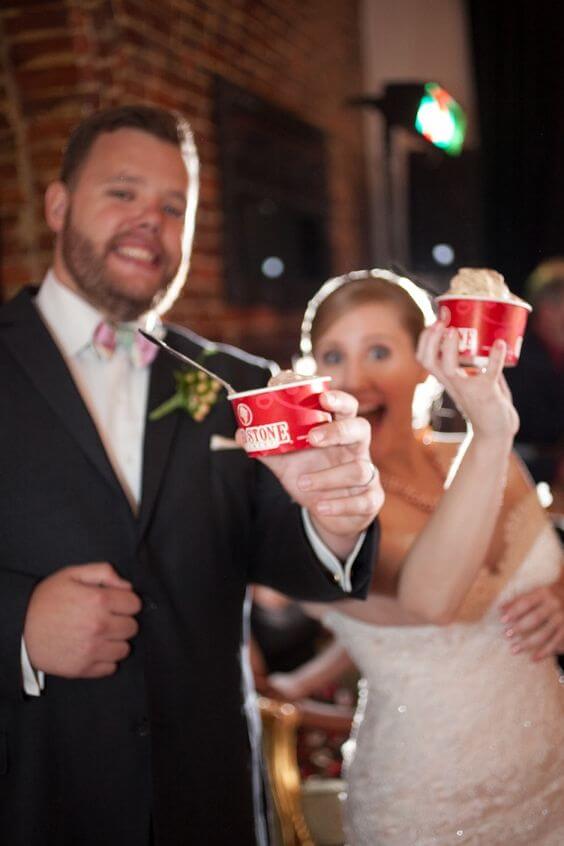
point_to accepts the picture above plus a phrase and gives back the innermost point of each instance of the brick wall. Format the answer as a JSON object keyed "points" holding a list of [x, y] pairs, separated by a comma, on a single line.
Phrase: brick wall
{"points": [[61, 59]]}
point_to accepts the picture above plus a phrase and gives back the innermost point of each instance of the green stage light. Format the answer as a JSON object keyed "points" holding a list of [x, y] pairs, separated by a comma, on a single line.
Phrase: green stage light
{"points": [[440, 119], [423, 107]]}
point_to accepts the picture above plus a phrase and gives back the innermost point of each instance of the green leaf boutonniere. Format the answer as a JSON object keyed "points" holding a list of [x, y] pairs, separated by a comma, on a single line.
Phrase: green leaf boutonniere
{"points": [[196, 393]]}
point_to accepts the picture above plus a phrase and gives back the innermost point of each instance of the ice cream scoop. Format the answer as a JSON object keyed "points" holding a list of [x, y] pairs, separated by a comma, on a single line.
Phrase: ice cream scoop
{"points": [[285, 377], [481, 282]]}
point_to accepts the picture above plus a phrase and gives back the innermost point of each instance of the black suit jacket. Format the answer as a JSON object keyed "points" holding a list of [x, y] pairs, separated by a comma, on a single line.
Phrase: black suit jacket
{"points": [[172, 735]]}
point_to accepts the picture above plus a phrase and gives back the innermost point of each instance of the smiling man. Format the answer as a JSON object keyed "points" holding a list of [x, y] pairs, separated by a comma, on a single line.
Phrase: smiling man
{"points": [[127, 544], [120, 223]]}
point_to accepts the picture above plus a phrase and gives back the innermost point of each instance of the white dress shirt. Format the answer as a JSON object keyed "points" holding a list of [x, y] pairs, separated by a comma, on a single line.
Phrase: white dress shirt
{"points": [[115, 392]]}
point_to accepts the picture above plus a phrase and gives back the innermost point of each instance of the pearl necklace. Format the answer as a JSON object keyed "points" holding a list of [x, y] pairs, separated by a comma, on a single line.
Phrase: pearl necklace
{"points": [[394, 485]]}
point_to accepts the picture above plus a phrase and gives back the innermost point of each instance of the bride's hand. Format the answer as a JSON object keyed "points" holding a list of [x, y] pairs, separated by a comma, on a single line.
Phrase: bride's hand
{"points": [[483, 396], [534, 621]]}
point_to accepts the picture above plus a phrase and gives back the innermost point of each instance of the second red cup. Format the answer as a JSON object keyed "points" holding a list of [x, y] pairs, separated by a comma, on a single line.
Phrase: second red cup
{"points": [[480, 321]]}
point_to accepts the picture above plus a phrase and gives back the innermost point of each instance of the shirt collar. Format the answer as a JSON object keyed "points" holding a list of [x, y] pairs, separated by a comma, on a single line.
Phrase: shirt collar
{"points": [[72, 319]]}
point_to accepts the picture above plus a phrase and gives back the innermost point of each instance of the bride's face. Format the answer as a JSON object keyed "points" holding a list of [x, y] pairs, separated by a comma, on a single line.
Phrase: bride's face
{"points": [[369, 353]]}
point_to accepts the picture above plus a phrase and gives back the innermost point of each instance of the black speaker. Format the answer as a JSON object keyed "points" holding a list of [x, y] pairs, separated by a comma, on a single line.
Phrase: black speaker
{"points": [[445, 212]]}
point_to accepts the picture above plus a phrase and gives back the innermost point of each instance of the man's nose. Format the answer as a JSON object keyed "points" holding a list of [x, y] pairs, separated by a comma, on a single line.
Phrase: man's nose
{"points": [[151, 216]]}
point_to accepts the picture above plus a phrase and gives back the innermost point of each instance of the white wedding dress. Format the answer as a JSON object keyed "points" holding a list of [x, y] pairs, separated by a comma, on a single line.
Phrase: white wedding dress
{"points": [[456, 740]]}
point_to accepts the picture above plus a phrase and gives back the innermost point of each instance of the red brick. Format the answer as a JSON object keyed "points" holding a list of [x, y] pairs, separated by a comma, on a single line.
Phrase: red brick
{"points": [[47, 78], [166, 53], [39, 17], [25, 52]]}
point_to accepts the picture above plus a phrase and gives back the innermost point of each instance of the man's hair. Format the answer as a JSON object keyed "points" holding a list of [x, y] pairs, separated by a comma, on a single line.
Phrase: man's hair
{"points": [[168, 126]]}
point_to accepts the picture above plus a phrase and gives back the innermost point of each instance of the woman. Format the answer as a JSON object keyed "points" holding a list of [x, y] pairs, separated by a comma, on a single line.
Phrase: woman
{"points": [[457, 740]]}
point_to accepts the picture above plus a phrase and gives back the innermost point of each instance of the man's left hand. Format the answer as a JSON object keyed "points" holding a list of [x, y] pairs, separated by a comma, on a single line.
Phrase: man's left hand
{"points": [[335, 480]]}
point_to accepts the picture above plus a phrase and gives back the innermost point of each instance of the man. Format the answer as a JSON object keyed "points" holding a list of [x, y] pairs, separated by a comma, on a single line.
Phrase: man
{"points": [[127, 543]]}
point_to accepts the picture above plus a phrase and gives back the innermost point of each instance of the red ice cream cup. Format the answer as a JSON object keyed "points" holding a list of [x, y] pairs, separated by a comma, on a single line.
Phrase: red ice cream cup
{"points": [[277, 419], [482, 320]]}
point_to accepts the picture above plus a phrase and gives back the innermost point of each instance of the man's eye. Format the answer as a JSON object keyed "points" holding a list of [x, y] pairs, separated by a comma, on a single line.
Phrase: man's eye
{"points": [[174, 211], [379, 352], [332, 357], [121, 194]]}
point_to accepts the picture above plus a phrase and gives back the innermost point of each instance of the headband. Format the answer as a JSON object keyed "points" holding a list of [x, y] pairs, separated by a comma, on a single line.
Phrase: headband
{"points": [[305, 364]]}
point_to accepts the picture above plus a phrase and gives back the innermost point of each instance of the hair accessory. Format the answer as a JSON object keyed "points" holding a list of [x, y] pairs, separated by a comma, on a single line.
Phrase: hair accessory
{"points": [[305, 364]]}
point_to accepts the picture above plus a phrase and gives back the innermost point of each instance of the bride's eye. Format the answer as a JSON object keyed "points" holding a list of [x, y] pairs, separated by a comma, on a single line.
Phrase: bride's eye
{"points": [[379, 352], [332, 357]]}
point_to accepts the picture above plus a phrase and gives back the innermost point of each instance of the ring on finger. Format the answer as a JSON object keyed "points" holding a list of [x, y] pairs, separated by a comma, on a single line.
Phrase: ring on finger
{"points": [[372, 475]]}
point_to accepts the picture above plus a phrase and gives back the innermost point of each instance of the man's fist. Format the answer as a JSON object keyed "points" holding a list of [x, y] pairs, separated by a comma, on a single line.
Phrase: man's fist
{"points": [[80, 620]]}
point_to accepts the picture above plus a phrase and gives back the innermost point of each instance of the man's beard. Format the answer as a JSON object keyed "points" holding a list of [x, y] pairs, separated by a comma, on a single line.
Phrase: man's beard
{"points": [[88, 270]]}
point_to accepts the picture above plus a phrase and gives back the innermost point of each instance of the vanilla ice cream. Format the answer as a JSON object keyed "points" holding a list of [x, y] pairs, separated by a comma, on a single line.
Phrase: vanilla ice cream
{"points": [[286, 377], [480, 282]]}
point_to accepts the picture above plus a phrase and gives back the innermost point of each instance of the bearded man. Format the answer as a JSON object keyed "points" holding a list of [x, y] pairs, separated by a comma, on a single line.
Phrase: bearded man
{"points": [[127, 544]]}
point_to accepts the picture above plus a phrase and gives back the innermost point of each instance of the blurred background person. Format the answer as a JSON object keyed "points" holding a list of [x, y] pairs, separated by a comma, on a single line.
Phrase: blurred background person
{"points": [[283, 640], [537, 383]]}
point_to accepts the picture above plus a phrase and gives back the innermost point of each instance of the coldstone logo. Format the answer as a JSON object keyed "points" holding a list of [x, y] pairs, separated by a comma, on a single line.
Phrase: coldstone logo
{"points": [[245, 414], [268, 436]]}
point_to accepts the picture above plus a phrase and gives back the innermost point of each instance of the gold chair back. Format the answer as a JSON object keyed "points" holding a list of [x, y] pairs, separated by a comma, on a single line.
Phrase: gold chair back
{"points": [[280, 722]]}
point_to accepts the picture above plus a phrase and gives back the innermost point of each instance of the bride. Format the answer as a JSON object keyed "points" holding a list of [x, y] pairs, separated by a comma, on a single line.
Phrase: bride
{"points": [[459, 735]]}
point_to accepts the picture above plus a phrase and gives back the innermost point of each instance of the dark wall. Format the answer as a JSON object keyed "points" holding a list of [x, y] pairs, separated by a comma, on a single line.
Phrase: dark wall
{"points": [[519, 65]]}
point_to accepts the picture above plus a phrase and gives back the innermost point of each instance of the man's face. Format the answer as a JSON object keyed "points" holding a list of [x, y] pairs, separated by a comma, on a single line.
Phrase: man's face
{"points": [[121, 240]]}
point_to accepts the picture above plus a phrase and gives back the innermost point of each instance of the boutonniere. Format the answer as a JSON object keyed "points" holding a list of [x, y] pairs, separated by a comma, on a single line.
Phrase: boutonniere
{"points": [[196, 393]]}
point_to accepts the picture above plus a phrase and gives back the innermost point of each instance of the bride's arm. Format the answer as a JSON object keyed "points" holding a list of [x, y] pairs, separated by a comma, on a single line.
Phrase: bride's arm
{"points": [[446, 556], [388, 611], [444, 559]]}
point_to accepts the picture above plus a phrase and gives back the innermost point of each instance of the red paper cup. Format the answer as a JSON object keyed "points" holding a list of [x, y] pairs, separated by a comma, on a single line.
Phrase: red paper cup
{"points": [[482, 320], [277, 419]]}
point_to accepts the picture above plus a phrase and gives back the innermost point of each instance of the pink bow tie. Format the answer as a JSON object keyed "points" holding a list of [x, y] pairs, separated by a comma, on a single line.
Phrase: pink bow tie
{"points": [[108, 337]]}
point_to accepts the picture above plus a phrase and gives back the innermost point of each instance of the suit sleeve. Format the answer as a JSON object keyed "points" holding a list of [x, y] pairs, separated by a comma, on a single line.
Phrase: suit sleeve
{"points": [[283, 558], [15, 592]]}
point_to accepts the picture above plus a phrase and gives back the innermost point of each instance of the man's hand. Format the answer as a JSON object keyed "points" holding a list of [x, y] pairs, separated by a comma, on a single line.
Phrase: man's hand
{"points": [[336, 480], [79, 621], [534, 621]]}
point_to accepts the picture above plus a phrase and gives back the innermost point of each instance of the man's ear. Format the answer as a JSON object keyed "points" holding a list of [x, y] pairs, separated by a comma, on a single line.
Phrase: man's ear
{"points": [[57, 200]]}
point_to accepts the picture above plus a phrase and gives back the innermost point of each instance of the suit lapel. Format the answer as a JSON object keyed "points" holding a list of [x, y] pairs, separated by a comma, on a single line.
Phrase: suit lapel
{"points": [[159, 435], [29, 341]]}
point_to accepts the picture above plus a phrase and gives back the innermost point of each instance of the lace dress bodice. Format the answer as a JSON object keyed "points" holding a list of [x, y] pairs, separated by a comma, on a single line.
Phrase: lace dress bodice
{"points": [[456, 740]]}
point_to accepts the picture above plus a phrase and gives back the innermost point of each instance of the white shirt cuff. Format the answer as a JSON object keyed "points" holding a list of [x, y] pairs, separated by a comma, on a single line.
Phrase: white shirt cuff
{"points": [[33, 681], [341, 572]]}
